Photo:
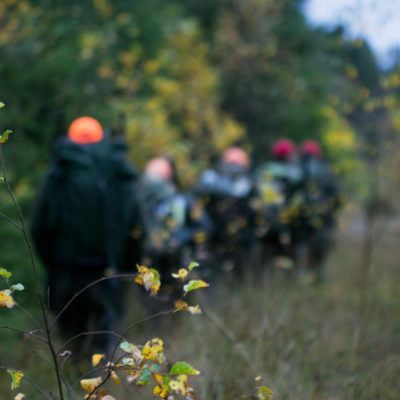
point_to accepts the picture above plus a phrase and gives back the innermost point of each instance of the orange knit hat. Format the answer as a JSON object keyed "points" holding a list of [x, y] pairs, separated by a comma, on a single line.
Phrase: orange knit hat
{"points": [[85, 130]]}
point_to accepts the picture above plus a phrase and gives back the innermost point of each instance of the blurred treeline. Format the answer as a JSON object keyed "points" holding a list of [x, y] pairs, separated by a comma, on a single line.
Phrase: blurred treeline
{"points": [[192, 77]]}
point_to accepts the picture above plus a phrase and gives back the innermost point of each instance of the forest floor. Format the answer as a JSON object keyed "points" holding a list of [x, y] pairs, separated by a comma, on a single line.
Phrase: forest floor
{"points": [[336, 341]]}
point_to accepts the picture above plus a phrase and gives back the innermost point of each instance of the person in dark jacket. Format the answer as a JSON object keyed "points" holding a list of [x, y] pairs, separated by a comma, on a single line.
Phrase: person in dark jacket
{"points": [[81, 225], [174, 225], [228, 193], [321, 201], [278, 181]]}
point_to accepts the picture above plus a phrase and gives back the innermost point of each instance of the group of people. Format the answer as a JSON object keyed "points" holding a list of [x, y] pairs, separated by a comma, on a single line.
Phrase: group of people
{"points": [[97, 215]]}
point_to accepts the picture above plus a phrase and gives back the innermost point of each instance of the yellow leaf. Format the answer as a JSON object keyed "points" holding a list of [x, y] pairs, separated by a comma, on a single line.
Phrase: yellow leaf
{"points": [[153, 349], [181, 386], [181, 305], [6, 299], [264, 393], [149, 278], [159, 378], [16, 377], [115, 378], [194, 309], [90, 384], [19, 396], [161, 391], [182, 273], [96, 358]]}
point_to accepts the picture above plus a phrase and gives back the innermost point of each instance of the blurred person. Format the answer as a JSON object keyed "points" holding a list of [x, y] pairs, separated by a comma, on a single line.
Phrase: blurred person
{"points": [[81, 223], [278, 182], [321, 201], [227, 193], [174, 225]]}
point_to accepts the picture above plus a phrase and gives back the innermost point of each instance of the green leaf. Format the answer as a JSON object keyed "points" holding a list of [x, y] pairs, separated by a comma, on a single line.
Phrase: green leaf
{"points": [[5, 274], [192, 265], [155, 367], [126, 346], [16, 377], [18, 286], [264, 393], [1, 104], [128, 361], [182, 367], [144, 379], [194, 284], [4, 136]]}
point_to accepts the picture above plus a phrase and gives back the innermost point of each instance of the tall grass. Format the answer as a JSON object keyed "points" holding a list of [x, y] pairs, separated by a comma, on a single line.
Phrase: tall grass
{"points": [[328, 342]]}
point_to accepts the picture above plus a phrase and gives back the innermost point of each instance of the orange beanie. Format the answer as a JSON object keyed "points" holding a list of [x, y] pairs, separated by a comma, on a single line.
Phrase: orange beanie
{"points": [[85, 130]]}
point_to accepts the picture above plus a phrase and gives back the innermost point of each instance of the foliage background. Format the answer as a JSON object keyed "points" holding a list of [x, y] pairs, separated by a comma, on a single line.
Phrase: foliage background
{"points": [[192, 78]]}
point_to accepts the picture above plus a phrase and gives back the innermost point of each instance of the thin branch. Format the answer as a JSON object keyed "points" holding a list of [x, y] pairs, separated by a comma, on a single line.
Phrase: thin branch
{"points": [[104, 278], [24, 332], [35, 273], [10, 221], [30, 316], [78, 335]]}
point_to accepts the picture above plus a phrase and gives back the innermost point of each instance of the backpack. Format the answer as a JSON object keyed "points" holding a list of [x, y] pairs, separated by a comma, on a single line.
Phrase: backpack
{"points": [[86, 207], [164, 214]]}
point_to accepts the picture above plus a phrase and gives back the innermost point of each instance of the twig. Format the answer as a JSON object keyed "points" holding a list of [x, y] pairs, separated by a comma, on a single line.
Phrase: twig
{"points": [[30, 316], [24, 332], [35, 273], [104, 278], [78, 335], [10, 221]]}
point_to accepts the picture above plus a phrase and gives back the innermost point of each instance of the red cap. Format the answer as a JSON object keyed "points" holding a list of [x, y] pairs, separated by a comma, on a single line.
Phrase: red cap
{"points": [[283, 149], [85, 130], [160, 168], [236, 155], [311, 148]]}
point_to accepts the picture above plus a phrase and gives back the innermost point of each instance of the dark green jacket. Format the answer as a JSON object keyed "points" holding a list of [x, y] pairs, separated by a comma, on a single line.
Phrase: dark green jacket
{"points": [[86, 208]]}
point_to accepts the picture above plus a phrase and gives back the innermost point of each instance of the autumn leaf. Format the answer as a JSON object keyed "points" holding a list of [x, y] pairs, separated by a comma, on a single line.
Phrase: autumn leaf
{"points": [[182, 273], [144, 379], [96, 358], [136, 353], [161, 391], [149, 278], [16, 377], [182, 367], [153, 349], [194, 284], [4, 136], [183, 306], [18, 286], [192, 265], [5, 274], [181, 386], [6, 299], [115, 378], [264, 393], [90, 384]]}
